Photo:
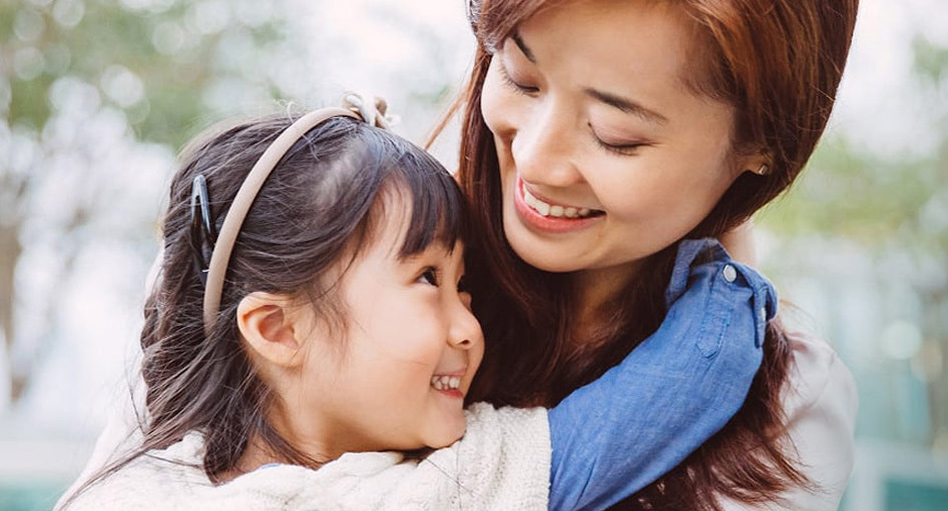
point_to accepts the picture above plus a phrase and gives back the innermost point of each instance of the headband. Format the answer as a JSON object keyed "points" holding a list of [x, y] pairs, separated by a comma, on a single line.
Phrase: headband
{"points": [[368, 109]]}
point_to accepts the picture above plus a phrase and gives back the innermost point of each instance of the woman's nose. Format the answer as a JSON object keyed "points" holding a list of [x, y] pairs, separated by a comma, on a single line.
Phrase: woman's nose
{"points": [[543, 146]]}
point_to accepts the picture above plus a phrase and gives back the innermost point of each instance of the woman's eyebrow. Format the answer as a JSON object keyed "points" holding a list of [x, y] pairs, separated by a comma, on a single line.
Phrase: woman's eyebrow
{"points": [[626, 105], [527, 52]]}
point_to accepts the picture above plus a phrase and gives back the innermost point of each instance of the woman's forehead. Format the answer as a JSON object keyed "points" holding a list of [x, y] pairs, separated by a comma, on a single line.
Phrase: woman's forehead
{"points": [[609, 41]]}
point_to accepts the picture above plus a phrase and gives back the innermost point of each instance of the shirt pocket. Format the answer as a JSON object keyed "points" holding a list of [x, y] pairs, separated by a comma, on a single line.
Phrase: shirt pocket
{"points": [[722, 299]]}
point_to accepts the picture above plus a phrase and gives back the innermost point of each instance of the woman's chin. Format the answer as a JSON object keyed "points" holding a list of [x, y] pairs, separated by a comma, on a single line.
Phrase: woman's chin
{"points": [[541, 256]]}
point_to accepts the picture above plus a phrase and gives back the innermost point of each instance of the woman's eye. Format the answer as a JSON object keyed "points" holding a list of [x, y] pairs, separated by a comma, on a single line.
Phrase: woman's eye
{"points": [[623, 148], [516, 86], [429, 276]]}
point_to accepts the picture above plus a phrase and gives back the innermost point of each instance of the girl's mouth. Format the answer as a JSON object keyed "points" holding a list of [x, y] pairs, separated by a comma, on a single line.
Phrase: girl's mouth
{"points": [[445, 382], [449, 385]]}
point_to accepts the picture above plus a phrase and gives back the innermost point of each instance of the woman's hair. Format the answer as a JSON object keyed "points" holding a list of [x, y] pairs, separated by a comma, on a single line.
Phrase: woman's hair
{"points": [[316, 211], [778, 63]]}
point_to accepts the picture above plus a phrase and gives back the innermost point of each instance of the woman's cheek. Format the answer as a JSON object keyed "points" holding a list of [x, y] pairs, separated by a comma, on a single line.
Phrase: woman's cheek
{"points": [[494, 103]]}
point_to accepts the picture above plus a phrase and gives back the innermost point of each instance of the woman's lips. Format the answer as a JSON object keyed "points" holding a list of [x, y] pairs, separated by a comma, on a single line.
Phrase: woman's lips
{"points": [[542, 215]]}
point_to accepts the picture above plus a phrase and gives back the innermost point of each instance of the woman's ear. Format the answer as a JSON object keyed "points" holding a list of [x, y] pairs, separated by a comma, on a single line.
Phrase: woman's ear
{"points": [[758, 163], [270, 323]]}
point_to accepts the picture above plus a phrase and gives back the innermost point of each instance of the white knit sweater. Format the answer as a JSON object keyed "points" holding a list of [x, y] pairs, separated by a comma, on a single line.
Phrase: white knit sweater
{"points": [[502, 463]]}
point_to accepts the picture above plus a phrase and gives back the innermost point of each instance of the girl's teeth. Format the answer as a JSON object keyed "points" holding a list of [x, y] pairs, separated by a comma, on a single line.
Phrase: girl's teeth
{"points": [[555, 211], [446, 382]]}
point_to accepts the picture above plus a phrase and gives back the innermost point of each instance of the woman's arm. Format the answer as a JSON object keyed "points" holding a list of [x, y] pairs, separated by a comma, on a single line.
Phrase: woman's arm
{"points": [[680, 386]]}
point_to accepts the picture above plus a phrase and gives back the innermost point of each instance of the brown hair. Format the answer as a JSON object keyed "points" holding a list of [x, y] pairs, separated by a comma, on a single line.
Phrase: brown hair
{"points": [[316, 210], [778, 63]]}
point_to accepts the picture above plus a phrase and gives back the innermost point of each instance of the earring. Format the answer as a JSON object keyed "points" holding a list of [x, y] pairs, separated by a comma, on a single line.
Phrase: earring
{"points": [[763, 170]]}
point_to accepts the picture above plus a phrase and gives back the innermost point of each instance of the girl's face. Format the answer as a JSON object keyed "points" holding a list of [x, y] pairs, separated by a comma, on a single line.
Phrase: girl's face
{"points": [[411, 346], [605, 155]]}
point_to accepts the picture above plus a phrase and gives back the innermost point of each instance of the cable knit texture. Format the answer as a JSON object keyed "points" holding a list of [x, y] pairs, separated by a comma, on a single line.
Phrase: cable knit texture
{"points": [[502, 463]]}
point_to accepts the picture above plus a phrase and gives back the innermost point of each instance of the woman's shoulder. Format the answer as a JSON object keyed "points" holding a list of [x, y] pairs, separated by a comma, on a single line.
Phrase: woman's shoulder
{"points": [[819, 383], [820, 402]]}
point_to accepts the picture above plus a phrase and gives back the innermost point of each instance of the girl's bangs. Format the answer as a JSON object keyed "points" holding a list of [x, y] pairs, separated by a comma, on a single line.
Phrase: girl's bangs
{"points": [[439, 211]]}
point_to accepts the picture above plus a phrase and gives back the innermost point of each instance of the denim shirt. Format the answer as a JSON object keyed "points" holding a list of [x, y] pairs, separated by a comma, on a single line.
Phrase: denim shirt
{"points": [[675, 390]]}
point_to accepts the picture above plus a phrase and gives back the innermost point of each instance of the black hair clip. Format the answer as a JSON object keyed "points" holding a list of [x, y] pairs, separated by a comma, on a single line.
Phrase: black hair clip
{"points": [[202, 229]]}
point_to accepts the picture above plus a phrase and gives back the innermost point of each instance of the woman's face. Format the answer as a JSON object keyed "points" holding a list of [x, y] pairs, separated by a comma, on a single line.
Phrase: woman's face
{"points": [[606, 156]]}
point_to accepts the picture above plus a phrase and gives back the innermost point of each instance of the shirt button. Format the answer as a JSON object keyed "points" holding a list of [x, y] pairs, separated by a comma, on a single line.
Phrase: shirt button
{"points": [[730, 274]]}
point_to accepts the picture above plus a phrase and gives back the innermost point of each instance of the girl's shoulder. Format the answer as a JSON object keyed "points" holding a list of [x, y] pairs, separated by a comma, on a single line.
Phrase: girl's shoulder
{"points": [[157, 479]]}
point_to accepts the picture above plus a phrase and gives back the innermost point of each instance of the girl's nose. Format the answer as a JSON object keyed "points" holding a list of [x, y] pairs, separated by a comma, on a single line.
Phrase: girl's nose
{"points": [[465, 330]]}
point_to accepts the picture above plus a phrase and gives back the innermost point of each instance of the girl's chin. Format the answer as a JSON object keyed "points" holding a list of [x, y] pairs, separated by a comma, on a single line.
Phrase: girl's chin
{"points": [[446, 439]]}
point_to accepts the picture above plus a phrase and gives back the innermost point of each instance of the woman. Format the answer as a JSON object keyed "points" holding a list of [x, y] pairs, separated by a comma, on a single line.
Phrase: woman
{"points": [[598, 133]]}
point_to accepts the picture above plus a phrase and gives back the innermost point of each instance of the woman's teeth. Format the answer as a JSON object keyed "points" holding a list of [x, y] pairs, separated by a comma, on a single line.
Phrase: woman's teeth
{"points": [[555, 210], [446, 382]]}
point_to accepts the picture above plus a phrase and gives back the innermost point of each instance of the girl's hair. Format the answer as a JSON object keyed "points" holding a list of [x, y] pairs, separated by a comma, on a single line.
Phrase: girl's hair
{"points": [[778, 63], [316, 211]]}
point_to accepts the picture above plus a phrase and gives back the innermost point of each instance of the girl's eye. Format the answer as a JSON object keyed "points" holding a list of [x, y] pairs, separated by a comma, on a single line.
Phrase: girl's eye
{"points": [[512, 84], [429, 276]]}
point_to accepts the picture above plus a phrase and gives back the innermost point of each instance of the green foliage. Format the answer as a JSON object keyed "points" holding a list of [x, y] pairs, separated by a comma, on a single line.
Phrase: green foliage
{"points": [[848, 194], [931, 60], [174, 56], [873, 199], [65, 63]]}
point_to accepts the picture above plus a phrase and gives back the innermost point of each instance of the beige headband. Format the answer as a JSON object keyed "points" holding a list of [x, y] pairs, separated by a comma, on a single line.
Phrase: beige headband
{"points": [[367, 109]]}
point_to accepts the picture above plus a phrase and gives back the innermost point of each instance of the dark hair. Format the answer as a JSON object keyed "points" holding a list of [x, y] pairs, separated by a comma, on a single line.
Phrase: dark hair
{"points": [[317, 209], [778, 63]]}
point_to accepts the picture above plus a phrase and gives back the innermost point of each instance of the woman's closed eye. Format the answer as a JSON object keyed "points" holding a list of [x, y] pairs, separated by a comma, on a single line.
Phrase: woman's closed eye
{"points": [[515, 85], [623, 147]]}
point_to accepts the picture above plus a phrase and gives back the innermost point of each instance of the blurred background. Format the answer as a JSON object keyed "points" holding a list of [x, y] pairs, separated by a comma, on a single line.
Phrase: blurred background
{"points": [[97, 97]]}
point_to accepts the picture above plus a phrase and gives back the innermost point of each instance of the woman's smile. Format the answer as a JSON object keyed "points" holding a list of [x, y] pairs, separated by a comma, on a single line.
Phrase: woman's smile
{"points": [[546, 215]]}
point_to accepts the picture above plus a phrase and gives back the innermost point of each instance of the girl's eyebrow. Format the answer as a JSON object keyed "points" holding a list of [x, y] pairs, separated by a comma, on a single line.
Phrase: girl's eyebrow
{"points": [[625, 105]]}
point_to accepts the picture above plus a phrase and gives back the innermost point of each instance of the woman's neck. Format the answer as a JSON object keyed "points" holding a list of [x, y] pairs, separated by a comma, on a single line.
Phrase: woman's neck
{"points": [[596, 290]]}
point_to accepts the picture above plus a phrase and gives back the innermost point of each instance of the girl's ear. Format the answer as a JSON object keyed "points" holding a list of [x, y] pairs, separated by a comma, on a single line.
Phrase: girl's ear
{"points": [[271, 325]]}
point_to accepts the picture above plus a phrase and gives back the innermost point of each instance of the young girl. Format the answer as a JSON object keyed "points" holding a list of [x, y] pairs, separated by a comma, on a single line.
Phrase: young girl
{"points": [[311, 312]]}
